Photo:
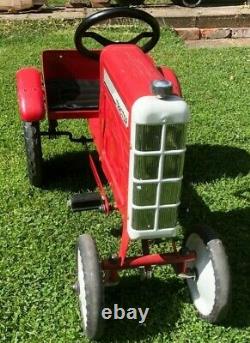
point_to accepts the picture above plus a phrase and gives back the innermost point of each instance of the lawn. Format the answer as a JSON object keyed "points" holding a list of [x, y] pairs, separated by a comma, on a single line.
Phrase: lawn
{"points": [[38, 232]]}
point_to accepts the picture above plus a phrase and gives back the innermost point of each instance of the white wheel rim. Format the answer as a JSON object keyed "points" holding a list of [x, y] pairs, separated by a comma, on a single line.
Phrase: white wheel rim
{"points": [[82, 291], [203, 288]]}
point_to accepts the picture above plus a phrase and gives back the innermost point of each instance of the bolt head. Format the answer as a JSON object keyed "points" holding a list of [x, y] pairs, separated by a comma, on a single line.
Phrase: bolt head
{"points": [[76, 288]]}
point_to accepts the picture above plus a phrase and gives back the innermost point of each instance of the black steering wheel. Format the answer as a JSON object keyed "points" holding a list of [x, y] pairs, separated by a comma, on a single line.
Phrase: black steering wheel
{"points": [[81, 31]]}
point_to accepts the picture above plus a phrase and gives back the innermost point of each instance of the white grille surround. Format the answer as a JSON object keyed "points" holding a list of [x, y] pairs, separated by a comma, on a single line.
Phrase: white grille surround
{"points": [[153, 173]]}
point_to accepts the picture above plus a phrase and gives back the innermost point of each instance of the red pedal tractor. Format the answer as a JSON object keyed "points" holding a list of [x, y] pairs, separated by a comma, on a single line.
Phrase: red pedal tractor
{"points": [[137, 119]]}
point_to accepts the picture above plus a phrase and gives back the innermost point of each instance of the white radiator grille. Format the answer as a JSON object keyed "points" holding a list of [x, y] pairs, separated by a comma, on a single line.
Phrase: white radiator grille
{"points": [[157, 175], [158, 138]]}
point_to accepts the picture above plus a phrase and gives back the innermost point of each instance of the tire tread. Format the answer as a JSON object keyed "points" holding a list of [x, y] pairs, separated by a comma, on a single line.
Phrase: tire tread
{"points": [[33, 149], [93, 285]]}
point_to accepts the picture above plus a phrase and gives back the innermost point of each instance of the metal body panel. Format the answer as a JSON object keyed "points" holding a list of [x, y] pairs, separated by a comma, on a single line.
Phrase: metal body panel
{"points": [[169, 75], [130, 72], [30, 94]]}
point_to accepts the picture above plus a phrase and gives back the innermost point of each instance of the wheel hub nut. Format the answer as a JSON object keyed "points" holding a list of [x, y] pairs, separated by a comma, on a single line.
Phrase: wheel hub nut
{"points": [[76, 288]]}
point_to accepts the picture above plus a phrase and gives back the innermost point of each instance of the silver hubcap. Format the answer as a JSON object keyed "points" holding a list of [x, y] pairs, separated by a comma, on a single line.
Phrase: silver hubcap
{"points": [[202, 288]]}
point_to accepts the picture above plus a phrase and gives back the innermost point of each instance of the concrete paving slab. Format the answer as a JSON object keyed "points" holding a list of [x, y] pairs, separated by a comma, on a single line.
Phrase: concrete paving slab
{"points": [[176, 16], [218, 43]]}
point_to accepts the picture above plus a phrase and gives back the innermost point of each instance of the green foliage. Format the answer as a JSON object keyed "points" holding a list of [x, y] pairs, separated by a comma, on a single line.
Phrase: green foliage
{"points": [[38, 233]]}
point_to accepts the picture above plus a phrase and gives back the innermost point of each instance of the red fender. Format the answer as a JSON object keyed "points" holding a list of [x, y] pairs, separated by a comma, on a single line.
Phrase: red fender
{"points": [[30, 94], [170, 75]]}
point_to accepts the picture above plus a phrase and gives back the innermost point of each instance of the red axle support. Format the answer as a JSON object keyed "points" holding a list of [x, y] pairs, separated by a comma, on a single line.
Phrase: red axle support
{"points": [[99, 184], [148, 260]]}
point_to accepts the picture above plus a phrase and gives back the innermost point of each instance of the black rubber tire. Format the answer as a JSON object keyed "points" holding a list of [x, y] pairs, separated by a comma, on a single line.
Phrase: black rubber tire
{"points": [[130, 2], [215, 251], [33, 149], [93, 285]]}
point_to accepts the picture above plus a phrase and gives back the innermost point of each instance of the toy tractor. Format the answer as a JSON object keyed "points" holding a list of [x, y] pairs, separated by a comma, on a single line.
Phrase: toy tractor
{"points": [[137, 119]]}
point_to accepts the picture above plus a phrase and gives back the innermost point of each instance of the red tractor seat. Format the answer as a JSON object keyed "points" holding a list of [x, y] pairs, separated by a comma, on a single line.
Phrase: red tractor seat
{"points": [[70, 94]]}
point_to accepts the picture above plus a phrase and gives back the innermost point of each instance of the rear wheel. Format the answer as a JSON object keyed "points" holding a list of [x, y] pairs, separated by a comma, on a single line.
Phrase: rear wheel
{"points": [[130, 2], [210, 288], [90, 287], [33, 148], [187, 3]]}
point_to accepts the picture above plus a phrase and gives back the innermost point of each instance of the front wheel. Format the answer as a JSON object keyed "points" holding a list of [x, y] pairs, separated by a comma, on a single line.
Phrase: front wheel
{"points": [[32, 139], [90, 287], [210, 288]]}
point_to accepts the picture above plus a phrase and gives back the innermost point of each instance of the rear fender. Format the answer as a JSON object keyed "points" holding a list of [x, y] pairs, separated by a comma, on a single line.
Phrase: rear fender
{"points": [[170, 75], [30, 94]]}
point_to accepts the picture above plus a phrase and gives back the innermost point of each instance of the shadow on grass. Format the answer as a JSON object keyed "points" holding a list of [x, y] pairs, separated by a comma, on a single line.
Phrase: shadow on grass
{"points": [[206, 163], [71, 172], [163, 298]]}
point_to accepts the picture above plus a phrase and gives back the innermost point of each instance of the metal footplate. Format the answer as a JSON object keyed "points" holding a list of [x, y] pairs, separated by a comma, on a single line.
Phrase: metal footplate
{"points": [[85, 202]]}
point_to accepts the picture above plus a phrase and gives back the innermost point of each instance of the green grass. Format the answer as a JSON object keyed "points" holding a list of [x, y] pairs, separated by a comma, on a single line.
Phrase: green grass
{"points": [[38, 233]]}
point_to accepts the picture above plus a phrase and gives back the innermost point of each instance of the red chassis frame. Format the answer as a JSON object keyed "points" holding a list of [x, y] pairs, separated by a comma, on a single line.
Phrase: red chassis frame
{"points": [[120, 63]]}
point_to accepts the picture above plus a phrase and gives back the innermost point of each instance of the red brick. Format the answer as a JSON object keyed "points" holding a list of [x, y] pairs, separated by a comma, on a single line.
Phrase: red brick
{"points": [[189, 33], [217, 33]]}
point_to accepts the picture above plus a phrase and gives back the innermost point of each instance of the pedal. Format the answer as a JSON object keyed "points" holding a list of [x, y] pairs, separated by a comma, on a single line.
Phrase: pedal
{"points": [[146, 273], [85, 202]]}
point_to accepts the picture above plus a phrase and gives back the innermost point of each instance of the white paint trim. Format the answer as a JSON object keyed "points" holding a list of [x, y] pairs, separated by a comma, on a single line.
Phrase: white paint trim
{"points": [[170, 180], [121, 108], [156, 153], [160, 175], [82, 291], [155, 207], [149, 110]]}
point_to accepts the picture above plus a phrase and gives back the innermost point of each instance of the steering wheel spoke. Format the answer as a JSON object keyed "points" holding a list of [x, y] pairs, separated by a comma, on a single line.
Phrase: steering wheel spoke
{"points": [[139, 37], [98, 38], [82, 30]]}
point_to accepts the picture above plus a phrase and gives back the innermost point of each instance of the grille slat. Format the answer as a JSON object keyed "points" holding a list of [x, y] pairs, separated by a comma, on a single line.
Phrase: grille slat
{"points": [[143, 219], [176, 137], [146, 167], [148, 137], [144, 194], [173, 166]]}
